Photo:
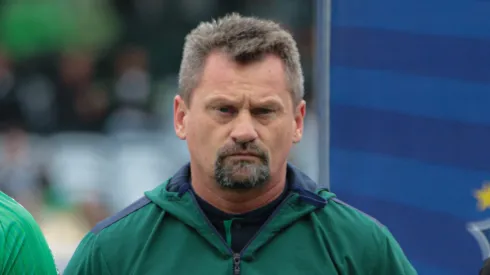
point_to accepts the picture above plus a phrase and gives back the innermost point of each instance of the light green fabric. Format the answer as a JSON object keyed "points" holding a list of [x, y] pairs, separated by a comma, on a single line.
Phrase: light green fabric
{"points": [[31, 27]]}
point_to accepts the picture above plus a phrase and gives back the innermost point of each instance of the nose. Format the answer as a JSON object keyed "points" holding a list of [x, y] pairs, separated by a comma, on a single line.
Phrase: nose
{"points": [[243, 129]]}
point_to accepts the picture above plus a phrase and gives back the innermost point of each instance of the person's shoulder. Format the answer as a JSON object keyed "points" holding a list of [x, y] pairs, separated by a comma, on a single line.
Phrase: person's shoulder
{"points": [[142, 211], [356, 233], [344, 217], [22, 239], [117, 237], [132, 222], [363, 238], [126, 219], [13, 216], [354, 215]]}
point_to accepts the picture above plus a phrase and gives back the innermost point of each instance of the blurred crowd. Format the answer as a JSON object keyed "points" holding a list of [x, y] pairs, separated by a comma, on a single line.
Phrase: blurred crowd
{"points": [[85, 101]]}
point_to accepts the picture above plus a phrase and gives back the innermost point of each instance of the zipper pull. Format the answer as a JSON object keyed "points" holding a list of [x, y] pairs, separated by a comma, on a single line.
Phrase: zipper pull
{"points": [[236, 263]]}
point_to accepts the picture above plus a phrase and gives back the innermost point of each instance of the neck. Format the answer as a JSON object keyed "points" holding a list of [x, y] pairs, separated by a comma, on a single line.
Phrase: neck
{"points": [[238, 202]]}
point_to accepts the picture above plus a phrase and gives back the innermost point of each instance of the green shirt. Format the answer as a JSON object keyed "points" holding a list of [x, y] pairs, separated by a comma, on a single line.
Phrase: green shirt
{"points": [[23, 248]]}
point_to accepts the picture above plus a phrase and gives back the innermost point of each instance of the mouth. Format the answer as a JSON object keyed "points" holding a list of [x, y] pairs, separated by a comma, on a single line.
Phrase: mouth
{"points": [[244, 155]]}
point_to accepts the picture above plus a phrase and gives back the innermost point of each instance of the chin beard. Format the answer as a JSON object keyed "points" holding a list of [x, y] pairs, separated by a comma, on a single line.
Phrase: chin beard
{"points": [[241, 174]]}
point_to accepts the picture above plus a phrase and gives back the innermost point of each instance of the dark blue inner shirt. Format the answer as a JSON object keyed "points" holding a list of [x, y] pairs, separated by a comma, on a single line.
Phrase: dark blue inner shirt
{"points": [[238, 230]]}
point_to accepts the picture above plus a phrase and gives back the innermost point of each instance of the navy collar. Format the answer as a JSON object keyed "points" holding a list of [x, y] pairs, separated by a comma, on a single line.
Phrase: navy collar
{"points": [[297, 180]]}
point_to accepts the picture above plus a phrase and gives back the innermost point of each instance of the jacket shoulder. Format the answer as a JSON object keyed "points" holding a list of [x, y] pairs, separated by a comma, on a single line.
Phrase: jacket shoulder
{"points": [[363, 238], [125, 217], [339, 210], [355, 215], [99, 252], [134, 213], [354, 224]]}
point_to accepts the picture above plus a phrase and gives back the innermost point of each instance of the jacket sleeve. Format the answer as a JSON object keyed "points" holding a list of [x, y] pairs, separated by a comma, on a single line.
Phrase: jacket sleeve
{"points": [[87, 259], [390, 258]]}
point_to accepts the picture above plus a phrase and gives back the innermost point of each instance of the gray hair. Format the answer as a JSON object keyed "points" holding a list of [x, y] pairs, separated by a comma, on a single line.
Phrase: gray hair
{"points": [[245, 39]]}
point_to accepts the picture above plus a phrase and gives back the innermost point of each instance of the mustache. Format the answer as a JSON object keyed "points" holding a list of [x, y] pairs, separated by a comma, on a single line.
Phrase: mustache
{"points": [[243, 148]]}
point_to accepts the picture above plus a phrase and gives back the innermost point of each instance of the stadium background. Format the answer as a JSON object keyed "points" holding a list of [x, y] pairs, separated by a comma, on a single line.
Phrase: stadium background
{"points": [[398, 120]]}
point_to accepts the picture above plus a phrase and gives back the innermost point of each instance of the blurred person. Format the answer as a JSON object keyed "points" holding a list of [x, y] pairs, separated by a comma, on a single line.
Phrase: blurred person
{"points": [[132, 93], [239, 206], [36, 96], [21, 177], [24, 249], [81, 104], [10, 109], [6, 74]]}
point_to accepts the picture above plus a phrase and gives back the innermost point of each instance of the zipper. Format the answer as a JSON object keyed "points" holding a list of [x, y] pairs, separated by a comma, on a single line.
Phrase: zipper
{"points": [[210, 224], [274, 213], [237, 257], [236, 263]]}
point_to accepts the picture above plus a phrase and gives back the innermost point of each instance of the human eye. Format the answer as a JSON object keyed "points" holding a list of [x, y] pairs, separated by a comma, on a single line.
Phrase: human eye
{"points": [[264, 111], [225, 110]]}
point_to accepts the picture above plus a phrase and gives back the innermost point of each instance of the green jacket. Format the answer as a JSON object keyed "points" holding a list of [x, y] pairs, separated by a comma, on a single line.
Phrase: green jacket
{"points": [[310, 232]]}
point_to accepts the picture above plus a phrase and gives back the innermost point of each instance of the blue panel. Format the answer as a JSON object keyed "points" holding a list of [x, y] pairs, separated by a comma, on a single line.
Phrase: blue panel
{"points": [[445, 189], [464, 18], [431, 238], [410, 122], [412, 95], [425, 139], [426, 55], [424, 269]]}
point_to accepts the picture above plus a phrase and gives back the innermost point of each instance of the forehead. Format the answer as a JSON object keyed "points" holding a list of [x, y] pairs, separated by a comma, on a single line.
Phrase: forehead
{"points": [[265, 76]]}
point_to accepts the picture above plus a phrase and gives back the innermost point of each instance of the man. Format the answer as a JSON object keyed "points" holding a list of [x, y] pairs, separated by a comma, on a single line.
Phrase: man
{"points": [[23, 248], [238, 207]]}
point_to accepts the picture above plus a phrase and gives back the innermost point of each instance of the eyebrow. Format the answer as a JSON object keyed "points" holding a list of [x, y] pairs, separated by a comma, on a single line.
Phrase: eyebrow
{"points": [[220, 99], [268, 101]]}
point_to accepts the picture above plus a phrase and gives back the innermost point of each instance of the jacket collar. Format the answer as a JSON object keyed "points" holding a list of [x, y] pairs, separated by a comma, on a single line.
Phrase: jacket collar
{"points": [[298, 182]]}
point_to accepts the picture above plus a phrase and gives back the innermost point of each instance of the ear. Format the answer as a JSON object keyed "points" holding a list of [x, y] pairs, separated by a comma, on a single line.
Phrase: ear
{"points": [[180, 117], [299, 118]]}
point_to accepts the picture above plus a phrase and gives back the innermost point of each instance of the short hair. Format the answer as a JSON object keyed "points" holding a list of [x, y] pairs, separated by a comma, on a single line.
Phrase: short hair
{"points": [[246, 40]]}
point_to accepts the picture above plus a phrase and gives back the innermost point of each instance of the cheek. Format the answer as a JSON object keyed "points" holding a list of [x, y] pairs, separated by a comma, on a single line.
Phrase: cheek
{"points": [[280, 143], [203, 140]]}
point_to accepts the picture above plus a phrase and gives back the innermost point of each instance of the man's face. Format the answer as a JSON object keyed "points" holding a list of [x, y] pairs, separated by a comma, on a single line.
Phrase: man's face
{"points": [[241, 121]]}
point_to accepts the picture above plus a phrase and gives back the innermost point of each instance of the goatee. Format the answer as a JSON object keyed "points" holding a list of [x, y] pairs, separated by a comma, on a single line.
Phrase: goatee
{"points": [[242, 173]]}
